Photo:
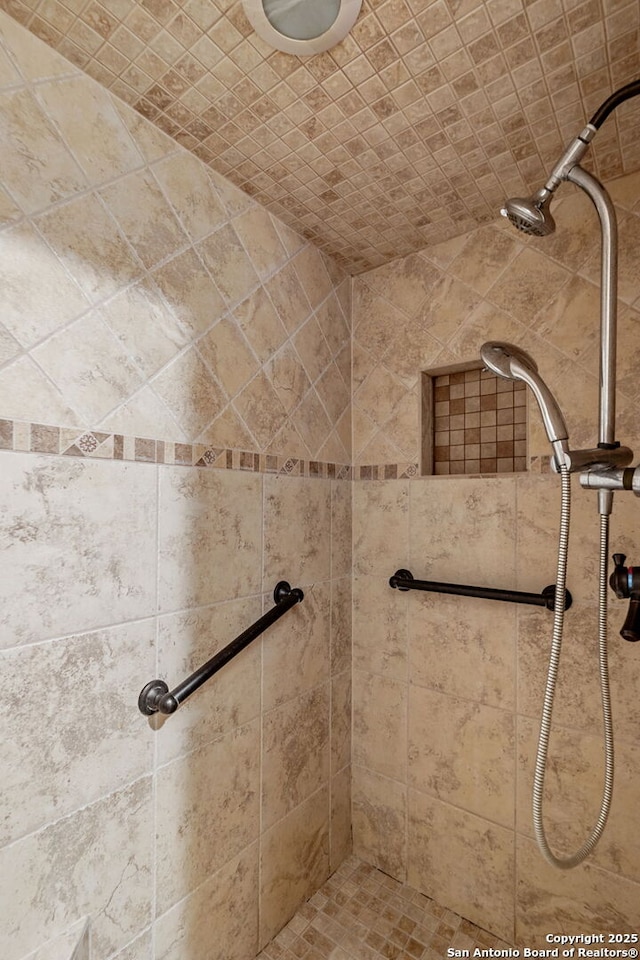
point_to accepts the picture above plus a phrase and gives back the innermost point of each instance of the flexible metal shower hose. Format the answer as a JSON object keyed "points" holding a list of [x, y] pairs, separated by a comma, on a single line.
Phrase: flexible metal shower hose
{"points": [[566, 863]]}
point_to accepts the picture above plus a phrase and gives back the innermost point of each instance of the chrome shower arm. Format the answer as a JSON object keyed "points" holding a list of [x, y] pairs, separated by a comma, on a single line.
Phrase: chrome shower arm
{"points": [[608, 300]]}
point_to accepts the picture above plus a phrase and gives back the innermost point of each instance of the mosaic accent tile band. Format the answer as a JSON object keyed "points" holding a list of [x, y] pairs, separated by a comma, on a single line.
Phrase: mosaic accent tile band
{"points": [[362, 913], [24, 437], [479, 423], [40, 438]]}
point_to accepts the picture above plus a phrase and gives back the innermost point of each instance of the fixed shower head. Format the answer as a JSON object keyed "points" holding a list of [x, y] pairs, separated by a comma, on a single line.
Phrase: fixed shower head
{"points": [[512, 363], [531, 215]]}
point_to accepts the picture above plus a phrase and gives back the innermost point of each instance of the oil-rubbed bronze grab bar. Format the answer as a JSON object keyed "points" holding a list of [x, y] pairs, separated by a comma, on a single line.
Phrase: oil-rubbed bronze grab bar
{"points": [[155, 697], [403, 580]]}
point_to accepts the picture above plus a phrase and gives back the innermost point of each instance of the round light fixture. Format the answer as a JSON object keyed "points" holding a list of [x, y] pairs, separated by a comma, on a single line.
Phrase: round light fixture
{"points": [[302, 27]]}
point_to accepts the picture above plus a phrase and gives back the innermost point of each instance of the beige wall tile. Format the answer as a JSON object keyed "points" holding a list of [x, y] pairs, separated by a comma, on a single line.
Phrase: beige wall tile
{"points": [[190, 292], [192, 841], [259, 405], [29, 311], [228, 355], [341, 528], [341, 625], [145, 415], [226, 903], [297, 540], [588, 900], [312, 273], [111, 881], [380, 548], [144, 216], [97, 137], [481, 885], [229, 699], [206, 554], [230, 267], [340, 721], [289, 299], [96, 374], [66, 572], [9, 211], [260, 324], [191, 392], [532, 282], [140, 949], [450, 303], [573, 793], [341, 842], [147, 330], [295, 753], [407, 283], [380, 724], [37, 166], [27, 394], [485, 255], [73, 943], [463, 532], [297, 647], [294, 856], [463, 647], [81, 753], [380, 617], [86, 239], [190, 191], [379, 813], [466, 757], [257, 233]]}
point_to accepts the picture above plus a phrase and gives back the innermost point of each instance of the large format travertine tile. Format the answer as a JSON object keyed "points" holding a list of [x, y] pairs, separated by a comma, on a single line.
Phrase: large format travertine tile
{"points": [[294, 856], [60, 873], [229, 699], [463, 646], [295, 753], [587, 900], [223, 910], [297, 647], [463, 753], [207, 811], [463, 861], [380, 724], [65, 572], [573, 791], [76, 699], [209, 536], [297, 540], [379, 814]]}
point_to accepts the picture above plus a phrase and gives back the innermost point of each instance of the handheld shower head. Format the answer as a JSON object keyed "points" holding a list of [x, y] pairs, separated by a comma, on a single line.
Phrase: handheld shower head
{"points": [[531, 215], [512, 363]]}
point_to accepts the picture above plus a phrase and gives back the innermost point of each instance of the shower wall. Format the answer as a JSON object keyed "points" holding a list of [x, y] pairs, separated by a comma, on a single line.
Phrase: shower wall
{"points": [[175, 439], [448, 690]]}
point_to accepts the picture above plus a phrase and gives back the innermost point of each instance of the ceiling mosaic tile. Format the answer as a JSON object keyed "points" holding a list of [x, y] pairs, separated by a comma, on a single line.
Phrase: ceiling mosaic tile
{"points": [[409, 132]]}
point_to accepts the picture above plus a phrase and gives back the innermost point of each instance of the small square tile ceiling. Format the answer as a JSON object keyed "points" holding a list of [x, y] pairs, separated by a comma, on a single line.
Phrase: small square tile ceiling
{"points": [[410, 131]]}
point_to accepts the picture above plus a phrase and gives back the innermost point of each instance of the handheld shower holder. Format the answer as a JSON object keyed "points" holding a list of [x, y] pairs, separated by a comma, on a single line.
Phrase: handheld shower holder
{"points": [[592, 458]]}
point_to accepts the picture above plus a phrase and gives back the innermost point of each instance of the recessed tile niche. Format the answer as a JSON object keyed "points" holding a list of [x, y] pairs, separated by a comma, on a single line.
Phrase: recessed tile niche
{"points": [[472, 422]]}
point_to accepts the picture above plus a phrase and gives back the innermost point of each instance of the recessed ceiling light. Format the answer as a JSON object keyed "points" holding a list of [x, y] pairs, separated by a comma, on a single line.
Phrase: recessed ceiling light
{"points": [[302, 27]]}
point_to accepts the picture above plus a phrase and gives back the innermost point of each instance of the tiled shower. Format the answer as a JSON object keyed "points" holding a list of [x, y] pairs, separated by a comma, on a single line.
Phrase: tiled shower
{"points": [[197, 402]]}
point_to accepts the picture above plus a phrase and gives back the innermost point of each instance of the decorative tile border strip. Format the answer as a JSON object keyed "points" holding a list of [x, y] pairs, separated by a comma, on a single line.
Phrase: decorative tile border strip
{"points": [[410, 471], [21, 436]]}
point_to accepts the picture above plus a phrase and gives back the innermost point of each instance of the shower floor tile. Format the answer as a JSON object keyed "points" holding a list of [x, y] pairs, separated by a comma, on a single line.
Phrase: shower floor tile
{"points": [[362, 914]]}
